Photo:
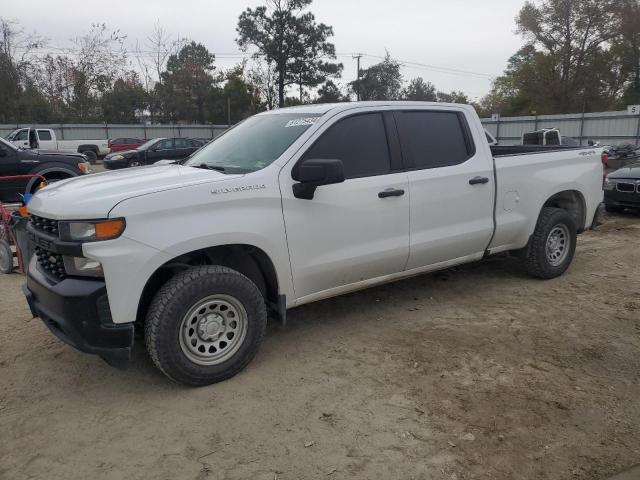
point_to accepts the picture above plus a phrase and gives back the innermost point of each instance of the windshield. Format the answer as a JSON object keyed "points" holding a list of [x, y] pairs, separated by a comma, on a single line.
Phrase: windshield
{"points": [[147, 144], [253, 144], [4, 143]]}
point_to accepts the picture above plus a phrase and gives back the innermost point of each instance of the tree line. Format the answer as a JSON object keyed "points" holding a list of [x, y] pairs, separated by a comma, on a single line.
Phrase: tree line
{"points": [[578, 55]]}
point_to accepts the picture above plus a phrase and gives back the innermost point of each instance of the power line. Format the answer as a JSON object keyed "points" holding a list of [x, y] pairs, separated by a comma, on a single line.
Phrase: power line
{"points": [[244, 56]]}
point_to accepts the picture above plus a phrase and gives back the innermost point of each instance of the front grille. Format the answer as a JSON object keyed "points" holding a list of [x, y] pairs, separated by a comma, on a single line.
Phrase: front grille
{"points": [[44, 225], [50, 262], [626, 187]]}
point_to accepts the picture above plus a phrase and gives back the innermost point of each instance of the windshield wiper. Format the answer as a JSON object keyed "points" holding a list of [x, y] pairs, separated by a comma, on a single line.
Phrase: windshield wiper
{"points": [[206, 166]]}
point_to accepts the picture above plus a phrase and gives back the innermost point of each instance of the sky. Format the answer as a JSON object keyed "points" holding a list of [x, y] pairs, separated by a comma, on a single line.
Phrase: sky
{"points": [[455, 44]]}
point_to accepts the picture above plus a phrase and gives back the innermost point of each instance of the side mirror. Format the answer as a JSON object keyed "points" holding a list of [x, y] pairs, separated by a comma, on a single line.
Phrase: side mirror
{"points": [[313, 173]]}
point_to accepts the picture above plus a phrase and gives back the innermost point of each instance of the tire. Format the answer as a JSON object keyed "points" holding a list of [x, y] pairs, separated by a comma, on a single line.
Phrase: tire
{"points": [[552, 245], [613, 209], [91, 156], [6, 257], [134, 163], [185, 318]]}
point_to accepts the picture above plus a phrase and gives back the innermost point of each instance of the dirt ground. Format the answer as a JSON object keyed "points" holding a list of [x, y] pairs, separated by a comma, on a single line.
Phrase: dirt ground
{"points": [[477, 372]]}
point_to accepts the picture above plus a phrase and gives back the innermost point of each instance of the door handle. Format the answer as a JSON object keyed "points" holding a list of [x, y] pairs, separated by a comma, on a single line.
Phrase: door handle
{"points": [[478, 181], [391, 192]]}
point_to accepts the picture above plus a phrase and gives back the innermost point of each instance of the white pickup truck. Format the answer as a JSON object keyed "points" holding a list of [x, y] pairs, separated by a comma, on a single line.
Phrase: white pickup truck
{"points": [[289, 207], [45, 139]]}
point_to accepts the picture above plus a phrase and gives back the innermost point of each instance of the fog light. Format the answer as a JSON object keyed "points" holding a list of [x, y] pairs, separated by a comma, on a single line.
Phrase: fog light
{"points": [[82, 266]]}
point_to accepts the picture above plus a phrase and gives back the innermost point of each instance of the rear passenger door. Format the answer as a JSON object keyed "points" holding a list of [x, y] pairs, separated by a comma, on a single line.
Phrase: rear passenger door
{"points": [[349, 232], [45, 140], [451, 185], [184, 148]]}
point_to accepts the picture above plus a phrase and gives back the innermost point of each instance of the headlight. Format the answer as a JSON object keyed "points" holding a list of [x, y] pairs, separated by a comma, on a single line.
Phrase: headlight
{"points": [[117, 157], [85, 267], [85, 167], [93, 231], [609, 183]]}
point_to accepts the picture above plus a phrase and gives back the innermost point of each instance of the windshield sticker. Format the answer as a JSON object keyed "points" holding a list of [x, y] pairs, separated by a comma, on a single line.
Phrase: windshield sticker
{"points": [[301, 122]]}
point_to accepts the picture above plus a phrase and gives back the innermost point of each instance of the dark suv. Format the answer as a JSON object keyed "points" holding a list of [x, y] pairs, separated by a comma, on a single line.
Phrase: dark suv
{"points": [[622, 189], [153, 151]]}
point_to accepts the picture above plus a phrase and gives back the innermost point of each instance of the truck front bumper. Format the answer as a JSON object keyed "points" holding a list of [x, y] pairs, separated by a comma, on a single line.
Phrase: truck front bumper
{"points": [[77, 311]]}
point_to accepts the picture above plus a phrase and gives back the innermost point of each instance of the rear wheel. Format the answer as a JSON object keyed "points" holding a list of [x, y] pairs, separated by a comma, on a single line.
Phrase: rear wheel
{"points": [[6, 257], [552, 245], [91, 155], [205, 325]]}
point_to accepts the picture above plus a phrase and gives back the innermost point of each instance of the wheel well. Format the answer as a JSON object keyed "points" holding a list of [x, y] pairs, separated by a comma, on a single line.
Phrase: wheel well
{"points": [[84, 148], [573, 202], [51, 173], [251, 261]]}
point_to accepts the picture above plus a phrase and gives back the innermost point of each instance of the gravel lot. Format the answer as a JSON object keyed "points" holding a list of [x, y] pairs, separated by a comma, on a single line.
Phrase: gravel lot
{"points": [[477, 372]]}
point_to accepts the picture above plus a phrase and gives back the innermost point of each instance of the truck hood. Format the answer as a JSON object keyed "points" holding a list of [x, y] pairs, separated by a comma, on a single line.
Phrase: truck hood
{"points": [[93, 196]]}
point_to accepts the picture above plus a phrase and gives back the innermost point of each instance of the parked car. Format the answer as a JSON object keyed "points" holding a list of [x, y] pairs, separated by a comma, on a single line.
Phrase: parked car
{"points": [[622, 189], [622, 155], [153, 151], [53, 166], [122, 144], [45, 138], [289, 207]]}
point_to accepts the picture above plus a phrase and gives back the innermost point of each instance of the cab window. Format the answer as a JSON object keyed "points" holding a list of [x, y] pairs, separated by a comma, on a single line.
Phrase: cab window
{"points": [[359, 141]]}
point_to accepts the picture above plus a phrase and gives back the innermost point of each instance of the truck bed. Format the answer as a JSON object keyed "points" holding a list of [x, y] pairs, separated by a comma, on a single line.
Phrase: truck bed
{"points": [[503, 150]]}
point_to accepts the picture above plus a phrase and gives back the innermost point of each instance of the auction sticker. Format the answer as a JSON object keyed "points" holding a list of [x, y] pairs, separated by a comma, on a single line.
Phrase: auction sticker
{"points": [[301, 122]]}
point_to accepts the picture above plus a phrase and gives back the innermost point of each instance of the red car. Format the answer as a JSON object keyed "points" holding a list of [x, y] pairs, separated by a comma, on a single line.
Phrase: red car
{"points": [[122, 144]]}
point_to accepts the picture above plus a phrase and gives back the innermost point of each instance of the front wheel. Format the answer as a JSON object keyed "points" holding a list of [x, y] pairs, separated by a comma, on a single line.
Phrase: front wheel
{"points": [[6, 257], [134, 163], [552, 245], [205, 325]]}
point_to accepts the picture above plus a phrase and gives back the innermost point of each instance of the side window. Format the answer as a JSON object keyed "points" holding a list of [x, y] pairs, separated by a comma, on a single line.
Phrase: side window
{"points": [[434, 139], [44, 134], [195, 144], [359, 141], [166, 144], [117, 141], [182, 143], [22, 135]]}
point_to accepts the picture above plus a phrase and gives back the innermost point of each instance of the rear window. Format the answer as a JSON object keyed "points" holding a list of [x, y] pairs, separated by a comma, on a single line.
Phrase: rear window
{"points": [[434, 139]]}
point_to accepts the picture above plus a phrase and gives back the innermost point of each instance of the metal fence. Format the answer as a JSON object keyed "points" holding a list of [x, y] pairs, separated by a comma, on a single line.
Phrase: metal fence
{"points": [[608, 128], [611, 128], [104, 131]]}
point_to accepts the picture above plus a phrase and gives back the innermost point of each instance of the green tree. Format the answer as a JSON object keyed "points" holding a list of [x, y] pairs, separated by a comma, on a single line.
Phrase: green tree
{"points": [[125, 100], [420, 91], [240, 95], [330, 93], [453, 97], [187, 84], [382, 81], [290, 39], [573, 58]]}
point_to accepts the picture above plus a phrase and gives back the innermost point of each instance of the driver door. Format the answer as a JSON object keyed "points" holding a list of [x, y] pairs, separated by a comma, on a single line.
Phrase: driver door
{"points": [[349, 233], [163, 150]]}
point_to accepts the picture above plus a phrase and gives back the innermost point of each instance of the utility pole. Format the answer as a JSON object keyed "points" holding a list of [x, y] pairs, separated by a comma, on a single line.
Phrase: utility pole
{"points": [[229, 111], [358, 56]]}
